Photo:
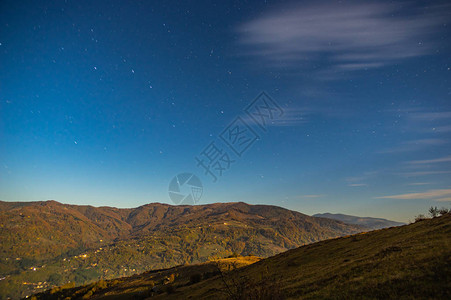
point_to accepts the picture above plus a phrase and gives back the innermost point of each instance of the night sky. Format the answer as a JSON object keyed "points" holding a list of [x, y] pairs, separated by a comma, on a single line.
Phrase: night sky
{"points": [[104, 102]]}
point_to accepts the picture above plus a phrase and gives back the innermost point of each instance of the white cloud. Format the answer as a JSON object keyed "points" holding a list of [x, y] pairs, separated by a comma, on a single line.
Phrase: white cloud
{"points": [[431, 116], [431, 194], [432, 161], [291, 117], [419, 183], [297, 115], [422, 173], [415, 145], [346, 35], [358, 180], [446, 199], [421, 120], [442, 129]]}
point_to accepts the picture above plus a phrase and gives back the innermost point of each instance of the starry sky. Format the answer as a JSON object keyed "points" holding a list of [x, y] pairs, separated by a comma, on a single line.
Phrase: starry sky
{"points": [[104, 102]]}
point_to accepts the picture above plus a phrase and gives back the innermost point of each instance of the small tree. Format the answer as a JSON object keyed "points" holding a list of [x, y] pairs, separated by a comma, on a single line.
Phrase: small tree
{"points": [[433, 211], [420, 217], [443, 211]]}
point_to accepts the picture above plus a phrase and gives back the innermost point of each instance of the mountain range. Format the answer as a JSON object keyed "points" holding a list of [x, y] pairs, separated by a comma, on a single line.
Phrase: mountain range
{"points": [[366, 222], [44, 244]]}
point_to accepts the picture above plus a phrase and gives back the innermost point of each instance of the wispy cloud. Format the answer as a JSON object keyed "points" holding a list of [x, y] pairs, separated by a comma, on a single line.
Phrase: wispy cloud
{"points": [[441, 129], [356, 181], [421, 120], [419, 183], [422, 173], [365, 175], [348, 35], [431, 116], [291, 117], [299, 115], [415, 145], [431, 161], [429, 122], [438, 195]]}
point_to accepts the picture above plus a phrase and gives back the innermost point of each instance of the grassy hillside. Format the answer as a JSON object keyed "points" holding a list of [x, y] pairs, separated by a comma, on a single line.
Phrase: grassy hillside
{"points": [[162, 281], [45, 244], [407, 262]]}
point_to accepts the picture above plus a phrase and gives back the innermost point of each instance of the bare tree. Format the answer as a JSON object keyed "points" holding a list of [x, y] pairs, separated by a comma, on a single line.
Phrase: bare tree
{"points": [[443, 211], [433, 211]]}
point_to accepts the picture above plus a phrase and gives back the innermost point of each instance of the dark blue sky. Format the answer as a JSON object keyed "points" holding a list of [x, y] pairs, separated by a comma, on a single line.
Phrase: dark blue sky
{"points": [[104, 102]]}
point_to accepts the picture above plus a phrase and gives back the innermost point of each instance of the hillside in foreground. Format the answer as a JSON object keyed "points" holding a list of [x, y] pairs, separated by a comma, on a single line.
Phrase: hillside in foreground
{"points": [[406, 262], [47, 244]]}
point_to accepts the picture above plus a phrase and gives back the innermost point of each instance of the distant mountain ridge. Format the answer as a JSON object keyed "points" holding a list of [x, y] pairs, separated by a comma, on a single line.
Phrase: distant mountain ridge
{"points": [[367, 222], [58, 242], [52, 224]]}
